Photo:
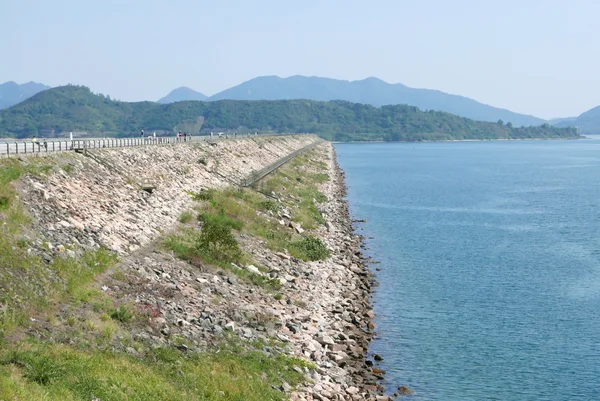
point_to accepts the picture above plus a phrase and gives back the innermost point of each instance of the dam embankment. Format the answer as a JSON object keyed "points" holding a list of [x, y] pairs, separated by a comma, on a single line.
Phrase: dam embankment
{"points": [[297, 288]]}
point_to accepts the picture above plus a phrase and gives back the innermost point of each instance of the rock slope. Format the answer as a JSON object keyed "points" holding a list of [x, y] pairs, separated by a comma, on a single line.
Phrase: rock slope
{"points": [[102, 203], [323, 316]]}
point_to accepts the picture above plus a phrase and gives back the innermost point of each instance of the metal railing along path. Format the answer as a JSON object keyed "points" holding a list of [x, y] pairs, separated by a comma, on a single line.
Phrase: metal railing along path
{"points": [[44, 146], [260, 174]]}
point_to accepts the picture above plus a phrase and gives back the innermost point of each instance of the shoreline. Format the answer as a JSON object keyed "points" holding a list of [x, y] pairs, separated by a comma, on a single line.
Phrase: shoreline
{"points": [[363, 276], [470, 140]]}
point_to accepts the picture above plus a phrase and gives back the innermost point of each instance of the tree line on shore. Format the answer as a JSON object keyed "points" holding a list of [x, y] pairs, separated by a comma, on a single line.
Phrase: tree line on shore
{"points": [[76, 108]]}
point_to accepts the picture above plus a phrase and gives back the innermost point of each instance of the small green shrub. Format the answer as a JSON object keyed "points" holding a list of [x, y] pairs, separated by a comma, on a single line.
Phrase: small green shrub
{"points": [[300, 303], [121, 314], [278, 296], [185, 217], [268, 205], [67, 168], [202, 161], [217, 240], [310, 248], [4, 202], [204, 195]]}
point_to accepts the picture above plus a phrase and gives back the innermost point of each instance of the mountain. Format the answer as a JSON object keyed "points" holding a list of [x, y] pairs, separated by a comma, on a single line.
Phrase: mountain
{"points": [[561, 120], [182, 93], [587, 122], [371, 91], [76, 108], [12, 93]]}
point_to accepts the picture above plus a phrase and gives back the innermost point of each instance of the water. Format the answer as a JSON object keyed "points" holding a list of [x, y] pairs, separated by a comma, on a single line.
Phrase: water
{"points": [[490, 265]]}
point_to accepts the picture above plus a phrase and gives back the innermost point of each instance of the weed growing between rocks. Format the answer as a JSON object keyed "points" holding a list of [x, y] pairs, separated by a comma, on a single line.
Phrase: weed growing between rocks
{"points": [[310, 248], [122, 314], [185, 217]]}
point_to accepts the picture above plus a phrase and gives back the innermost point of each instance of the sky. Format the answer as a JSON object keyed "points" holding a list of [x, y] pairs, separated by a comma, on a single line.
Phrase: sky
{"points": [[536, 57]]}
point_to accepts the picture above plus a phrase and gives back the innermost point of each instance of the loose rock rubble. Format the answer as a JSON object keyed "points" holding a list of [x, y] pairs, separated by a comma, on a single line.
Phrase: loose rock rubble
{"points": [[324, 315]]}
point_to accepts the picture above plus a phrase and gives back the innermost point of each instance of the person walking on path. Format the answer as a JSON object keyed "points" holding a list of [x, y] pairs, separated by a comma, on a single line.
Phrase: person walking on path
{"points": [[34, 140], [142, 134]]}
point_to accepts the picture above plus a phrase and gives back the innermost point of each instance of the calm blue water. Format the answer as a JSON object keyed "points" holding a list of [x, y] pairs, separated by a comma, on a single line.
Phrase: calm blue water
{"points": [[490, 265]]}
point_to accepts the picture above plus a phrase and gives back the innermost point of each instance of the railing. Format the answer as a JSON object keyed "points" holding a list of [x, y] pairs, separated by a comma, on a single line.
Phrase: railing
{"points": [[41, 146], [260, 174]]}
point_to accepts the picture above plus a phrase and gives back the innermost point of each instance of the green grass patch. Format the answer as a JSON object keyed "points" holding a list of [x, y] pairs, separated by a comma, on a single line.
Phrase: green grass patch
{"points": [[67, 168], [76, 272], [121, 314], [310, 248], [62, 373], [185, 217], [203, 195]]}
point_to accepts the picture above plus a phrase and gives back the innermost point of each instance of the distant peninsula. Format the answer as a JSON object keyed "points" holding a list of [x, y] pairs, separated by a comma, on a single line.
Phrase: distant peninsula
{"points": [[60, 110]]}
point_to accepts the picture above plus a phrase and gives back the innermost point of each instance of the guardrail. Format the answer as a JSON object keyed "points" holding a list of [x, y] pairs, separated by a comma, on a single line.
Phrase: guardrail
{"points": [[260, 174], [42, 146]]}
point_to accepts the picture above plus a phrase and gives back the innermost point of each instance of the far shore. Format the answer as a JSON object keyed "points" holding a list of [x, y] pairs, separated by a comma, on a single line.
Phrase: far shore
{"points": [[12, 140], [472, 140]]}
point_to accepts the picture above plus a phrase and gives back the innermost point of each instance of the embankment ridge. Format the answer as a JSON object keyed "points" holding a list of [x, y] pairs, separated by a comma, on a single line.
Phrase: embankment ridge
{"points": [[128, 200]]}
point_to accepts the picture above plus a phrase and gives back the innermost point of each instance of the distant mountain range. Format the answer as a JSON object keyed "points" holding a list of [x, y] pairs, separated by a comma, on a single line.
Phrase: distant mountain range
{"points": [[587, 122], [182, 93], [12, 93], [76, 108], [371, 91]]}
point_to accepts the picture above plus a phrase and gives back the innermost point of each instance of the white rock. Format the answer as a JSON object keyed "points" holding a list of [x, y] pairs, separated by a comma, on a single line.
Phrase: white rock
{"points": [[352, 390], [254, 269]]}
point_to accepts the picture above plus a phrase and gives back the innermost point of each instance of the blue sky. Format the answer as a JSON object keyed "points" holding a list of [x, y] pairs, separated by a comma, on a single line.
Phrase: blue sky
{"points": [[531, 56]]}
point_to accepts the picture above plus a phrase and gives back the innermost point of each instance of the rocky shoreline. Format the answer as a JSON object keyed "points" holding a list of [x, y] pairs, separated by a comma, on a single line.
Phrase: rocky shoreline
{"points": [[357, 293], [324, 316]]}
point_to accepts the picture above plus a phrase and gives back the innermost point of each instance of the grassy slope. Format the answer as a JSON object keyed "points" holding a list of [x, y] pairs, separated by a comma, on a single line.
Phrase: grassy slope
{"points": [[79, 358], [59, 372]]}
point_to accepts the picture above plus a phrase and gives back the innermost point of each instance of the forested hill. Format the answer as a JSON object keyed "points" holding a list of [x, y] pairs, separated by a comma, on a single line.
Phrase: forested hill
{"points": [[75, 108]]}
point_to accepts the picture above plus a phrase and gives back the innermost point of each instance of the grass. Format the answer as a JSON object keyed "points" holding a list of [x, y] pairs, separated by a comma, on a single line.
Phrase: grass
{"points": [[121, 314], [185, 217], [184, 245], [67, 168], [253, 213], [224, 212], [58, 372]]}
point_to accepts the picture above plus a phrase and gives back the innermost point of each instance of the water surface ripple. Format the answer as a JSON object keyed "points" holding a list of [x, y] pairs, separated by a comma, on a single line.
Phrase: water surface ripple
{"points": [[490, 265]]}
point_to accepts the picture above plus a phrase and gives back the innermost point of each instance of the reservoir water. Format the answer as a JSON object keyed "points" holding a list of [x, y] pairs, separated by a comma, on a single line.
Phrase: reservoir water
{"points": [[490, 265]]}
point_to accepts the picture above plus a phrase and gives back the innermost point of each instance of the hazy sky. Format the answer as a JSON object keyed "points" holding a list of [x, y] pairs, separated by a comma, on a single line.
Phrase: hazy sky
{"points": [[537, 57]]}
